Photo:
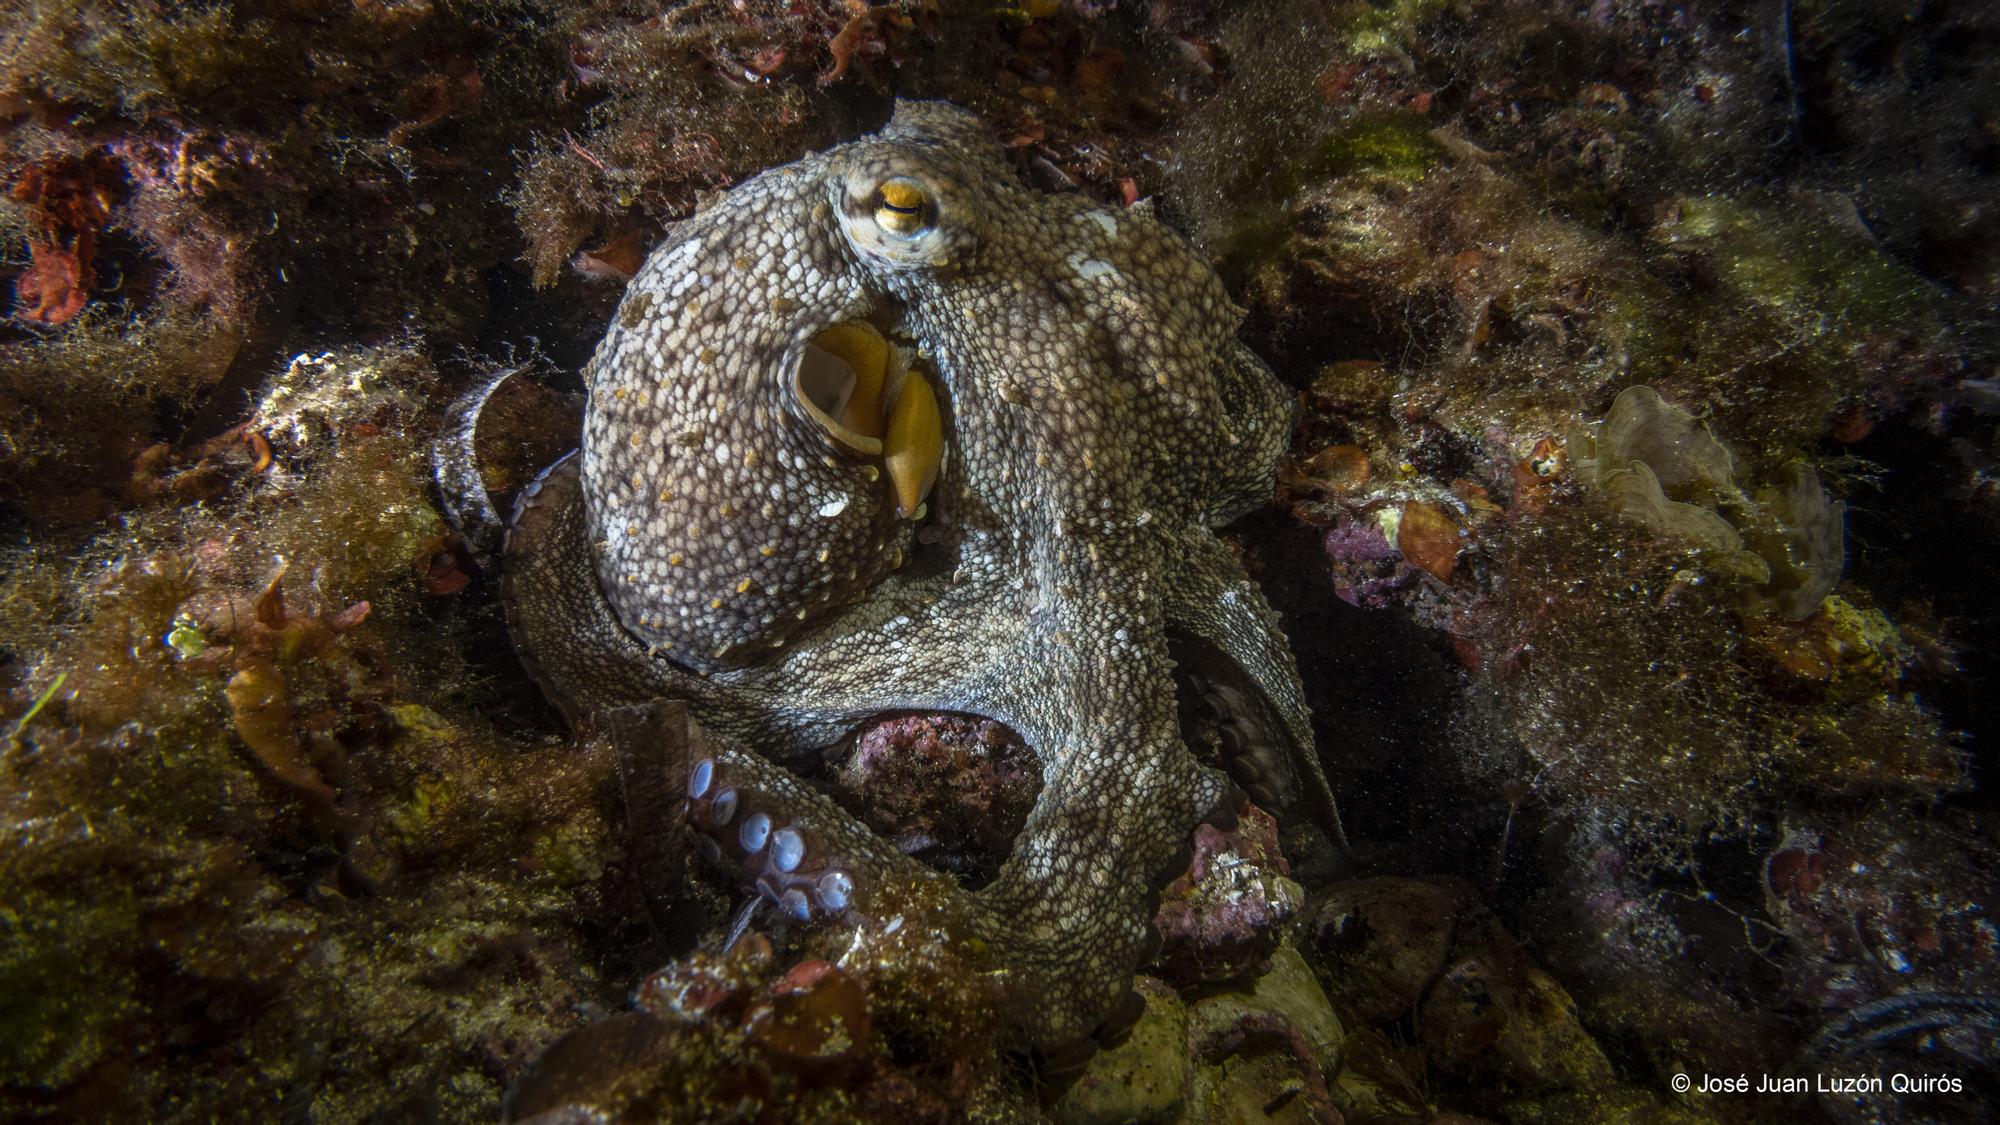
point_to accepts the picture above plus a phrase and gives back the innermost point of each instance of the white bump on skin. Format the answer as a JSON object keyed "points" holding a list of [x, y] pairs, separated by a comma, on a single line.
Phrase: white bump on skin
{"points": [[1091, 269]]}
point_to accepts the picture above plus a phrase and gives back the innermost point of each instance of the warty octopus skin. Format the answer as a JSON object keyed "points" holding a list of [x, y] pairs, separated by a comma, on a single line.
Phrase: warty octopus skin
{"points": [[720, 538]]}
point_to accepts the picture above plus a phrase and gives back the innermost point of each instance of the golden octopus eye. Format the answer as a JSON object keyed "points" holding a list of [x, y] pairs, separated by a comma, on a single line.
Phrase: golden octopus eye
{"points": [[903, 209]]}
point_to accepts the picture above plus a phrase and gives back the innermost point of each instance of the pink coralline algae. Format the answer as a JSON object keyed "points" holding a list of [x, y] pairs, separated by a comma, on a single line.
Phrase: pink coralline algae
{"points": [[952, 789], [1226, 914], [1366, 566]]}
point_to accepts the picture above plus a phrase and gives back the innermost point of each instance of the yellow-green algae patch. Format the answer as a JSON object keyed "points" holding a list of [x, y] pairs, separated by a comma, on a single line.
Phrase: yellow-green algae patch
{"points": [[1396, 145]]}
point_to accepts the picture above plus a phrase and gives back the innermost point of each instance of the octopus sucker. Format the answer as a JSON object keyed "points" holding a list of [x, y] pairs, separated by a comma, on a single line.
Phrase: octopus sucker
{"points": [[1070, 445]]}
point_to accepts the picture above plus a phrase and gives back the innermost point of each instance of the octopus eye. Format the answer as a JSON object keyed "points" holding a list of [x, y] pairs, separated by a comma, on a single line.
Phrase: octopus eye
{"points": [[903, 209]]}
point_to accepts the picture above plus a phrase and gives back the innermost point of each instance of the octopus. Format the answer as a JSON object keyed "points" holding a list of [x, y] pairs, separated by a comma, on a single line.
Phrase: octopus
{"points": [[887, 430]]}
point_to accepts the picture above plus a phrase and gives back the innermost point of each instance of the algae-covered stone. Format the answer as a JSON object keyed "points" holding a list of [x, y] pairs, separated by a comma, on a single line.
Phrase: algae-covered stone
{"points": [[1495, 1016], [1381, 942], [1221, 918], [1290, 992], [1267, 1052], [1144, 1078]]}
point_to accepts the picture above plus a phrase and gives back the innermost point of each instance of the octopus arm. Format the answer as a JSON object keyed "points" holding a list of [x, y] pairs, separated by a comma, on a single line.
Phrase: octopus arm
{"points": [[1226, 633], [575, 648], [1064, 922], [1062, 926], [1257, 425]]}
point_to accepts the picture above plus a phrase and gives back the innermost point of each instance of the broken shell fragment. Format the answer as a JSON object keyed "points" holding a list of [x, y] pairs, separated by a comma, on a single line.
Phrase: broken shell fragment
{"points": [[914, 445], [824, 383], [1429, 539], [859, 389]]}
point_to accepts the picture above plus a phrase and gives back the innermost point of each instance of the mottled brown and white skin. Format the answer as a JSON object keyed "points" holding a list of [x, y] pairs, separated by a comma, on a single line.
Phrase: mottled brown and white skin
{"points": [[709, 544]]}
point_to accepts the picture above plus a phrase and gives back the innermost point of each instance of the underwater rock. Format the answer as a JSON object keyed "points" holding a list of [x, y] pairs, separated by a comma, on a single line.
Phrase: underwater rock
{"points": [[950, 789], [1145, 1078], [1264, 1049], [1383, 941], [1490, 1016], [1366, 568], [1881, 906], [1389, 947], [717, 1036], [307, 832], [817, 1014], [706, 1038], [601, 1073], [637, 165], [1229, 910], [319, 403], [79, 409], [1269, 1050], [1290, 990]]}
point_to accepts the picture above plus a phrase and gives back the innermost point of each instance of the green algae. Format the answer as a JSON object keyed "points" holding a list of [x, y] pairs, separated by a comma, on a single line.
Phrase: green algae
{"points": [[75, 408], [1397, 146], [366, 949], [1790, 259], [34, 709], [1372, 29], [571, 855], [66, 995]]}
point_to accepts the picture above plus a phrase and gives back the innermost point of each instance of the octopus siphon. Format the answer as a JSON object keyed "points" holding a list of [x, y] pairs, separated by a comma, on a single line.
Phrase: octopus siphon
{"points": [[887, 430]]}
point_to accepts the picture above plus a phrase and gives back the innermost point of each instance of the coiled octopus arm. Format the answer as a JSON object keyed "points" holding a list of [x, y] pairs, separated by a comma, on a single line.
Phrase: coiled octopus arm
{"points": [[1065, 919]]}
